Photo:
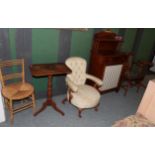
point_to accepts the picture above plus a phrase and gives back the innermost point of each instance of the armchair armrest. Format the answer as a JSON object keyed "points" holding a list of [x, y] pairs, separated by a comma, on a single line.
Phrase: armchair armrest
{"points": [[71, 85], [94, 79]]}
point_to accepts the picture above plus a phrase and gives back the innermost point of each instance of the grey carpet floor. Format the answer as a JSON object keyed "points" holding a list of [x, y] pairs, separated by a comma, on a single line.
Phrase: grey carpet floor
{"points": [[113, 106]]}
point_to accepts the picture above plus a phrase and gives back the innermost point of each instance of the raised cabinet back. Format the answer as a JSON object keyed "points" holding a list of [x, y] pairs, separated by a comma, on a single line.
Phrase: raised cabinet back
{"points": [[106, 43]]}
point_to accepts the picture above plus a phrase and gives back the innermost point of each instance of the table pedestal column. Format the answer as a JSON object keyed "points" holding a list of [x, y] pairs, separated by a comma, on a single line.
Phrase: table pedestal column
{"points": [[49, 100]]}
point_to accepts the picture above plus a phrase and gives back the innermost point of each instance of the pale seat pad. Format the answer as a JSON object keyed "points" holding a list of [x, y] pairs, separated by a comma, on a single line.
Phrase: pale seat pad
{"points": [[86, 97]]}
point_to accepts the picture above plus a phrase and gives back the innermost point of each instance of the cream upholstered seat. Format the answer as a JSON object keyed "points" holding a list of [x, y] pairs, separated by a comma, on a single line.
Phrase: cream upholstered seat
{"points": [[80, 94], [85, 97]]}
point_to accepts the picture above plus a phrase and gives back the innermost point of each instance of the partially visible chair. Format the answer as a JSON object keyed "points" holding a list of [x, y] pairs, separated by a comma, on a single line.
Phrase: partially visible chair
{"points": [[134, 74], [13, 90], [80, 94], [130, 61], [126, 84], [145, 115]]}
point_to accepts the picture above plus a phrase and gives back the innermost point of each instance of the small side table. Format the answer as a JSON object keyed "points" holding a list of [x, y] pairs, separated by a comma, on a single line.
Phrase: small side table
{"points": [[49, 70]]}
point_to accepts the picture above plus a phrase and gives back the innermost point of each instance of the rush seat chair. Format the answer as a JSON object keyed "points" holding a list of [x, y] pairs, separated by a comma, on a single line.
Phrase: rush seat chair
{"points": [[13, 90]]}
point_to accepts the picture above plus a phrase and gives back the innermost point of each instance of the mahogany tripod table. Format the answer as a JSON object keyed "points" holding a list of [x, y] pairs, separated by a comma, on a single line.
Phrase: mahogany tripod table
{"points": [[49, 70]]}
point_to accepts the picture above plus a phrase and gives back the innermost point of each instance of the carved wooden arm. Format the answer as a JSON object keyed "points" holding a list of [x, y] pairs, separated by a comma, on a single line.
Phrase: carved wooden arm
{"points": [[97, 81]]}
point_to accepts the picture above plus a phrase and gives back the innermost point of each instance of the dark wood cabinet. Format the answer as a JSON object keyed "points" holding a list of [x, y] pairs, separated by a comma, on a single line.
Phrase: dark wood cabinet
{"points": [[105, 51]]}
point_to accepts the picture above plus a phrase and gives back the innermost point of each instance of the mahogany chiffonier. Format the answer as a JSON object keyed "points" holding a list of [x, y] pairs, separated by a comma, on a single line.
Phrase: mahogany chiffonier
{"points": [[106, 52]]}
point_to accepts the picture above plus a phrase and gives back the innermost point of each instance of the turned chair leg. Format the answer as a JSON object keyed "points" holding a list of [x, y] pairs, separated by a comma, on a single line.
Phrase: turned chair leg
{"points": [[64, 100], [11, 118], [125, 87], [79, 112], [33, 104], [11, 112], [126, 91], [6, 103], [96, 108]]}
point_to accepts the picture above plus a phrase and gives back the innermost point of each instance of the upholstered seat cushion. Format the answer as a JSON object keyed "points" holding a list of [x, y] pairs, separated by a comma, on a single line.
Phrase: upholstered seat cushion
{"points": [[17, 91], [85, 97], [134, 121]]}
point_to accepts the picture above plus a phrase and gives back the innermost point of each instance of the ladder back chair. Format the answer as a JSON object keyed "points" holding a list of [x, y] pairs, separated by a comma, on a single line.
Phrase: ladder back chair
{"points": [[10, 71]]}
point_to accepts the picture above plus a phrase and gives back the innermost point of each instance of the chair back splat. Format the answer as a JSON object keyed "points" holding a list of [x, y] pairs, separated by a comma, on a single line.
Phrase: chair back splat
{"points": [[13, 66]]}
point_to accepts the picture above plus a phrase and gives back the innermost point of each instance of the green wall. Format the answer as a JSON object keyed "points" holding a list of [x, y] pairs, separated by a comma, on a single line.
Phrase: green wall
{"points": [[44, 50], [146, 44], [46, 44], [128, 40], [12, 41], [81, 43]]}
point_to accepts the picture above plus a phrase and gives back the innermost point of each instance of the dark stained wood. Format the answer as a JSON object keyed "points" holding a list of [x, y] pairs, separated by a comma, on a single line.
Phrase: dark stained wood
{"points": [[79, 112], [49, 70], [106, 51]]}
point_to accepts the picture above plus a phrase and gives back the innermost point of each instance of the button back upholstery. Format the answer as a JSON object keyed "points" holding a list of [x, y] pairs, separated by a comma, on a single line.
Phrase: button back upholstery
{"points": [[79, 93]]}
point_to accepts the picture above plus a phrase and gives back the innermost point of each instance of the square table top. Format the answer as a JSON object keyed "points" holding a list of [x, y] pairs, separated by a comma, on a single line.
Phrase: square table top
{"points": [[49, 69]]}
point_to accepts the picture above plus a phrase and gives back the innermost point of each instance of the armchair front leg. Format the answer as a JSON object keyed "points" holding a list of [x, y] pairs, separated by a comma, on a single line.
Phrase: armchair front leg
{"points": [[70, 96], [64, 100], [79, 112]]}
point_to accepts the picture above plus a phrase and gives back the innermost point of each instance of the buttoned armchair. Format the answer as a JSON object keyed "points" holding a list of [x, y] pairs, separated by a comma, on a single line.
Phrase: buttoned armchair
{"points": [[80, 94]]}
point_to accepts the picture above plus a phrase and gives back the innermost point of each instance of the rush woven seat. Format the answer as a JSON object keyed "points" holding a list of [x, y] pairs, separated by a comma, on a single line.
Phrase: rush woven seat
{"points": [[16, 91]]}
